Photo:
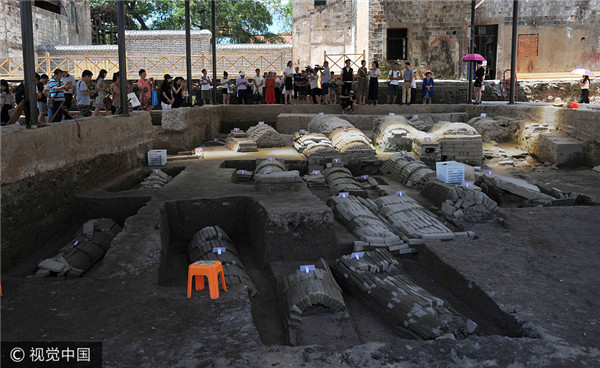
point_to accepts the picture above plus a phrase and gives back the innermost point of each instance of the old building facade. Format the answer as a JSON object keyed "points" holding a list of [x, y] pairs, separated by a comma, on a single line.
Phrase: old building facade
{"points": [[56, 22], [434, 34]]}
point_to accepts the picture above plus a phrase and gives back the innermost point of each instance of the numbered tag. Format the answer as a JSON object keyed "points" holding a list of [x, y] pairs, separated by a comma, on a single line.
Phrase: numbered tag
{"points": [[343, 194], [357, 255], [392, 114], [315, 172], [219, 250], [337, 160], [321, 113], [476, 167], [156, 171], [270, 159], [261, 123], [466, 184], [489, 172], [236, 129], [242, 172], [415, 116], [198, 151], [403, 153], [400, 193], [307, 268], [364, 177], [427, 139], [483, 114]]}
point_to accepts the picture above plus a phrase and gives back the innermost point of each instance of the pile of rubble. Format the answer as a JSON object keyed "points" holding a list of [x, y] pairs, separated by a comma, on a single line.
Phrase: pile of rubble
{"points": [[265, 136], [314, 144], [238, 141], [352, 141], [497, 129], [467, 204], [361, 217], [156, 180], [394, 133], [408, 217], [303, 290], [272, 175], [345, 138], [205, 245], [315, 181], [378, 281], [340, 180], [92, 241], [407, 170], [325, 124], [503, 189]]}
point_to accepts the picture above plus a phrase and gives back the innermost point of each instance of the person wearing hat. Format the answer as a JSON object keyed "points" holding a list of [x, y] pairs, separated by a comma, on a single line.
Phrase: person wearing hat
{"points": [[428, 84], [205, 83], [348, 103], [166, 93], [242, 85]]}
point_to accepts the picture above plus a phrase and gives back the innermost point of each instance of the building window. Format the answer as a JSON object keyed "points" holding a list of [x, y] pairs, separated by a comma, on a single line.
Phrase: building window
{"points": [[50, 5], [528, 45], [397, 44], [320, 2]]}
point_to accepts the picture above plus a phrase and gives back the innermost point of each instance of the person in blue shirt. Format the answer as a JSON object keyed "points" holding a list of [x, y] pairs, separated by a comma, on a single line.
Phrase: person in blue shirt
{"points": [[428, 84], [57, 97]]}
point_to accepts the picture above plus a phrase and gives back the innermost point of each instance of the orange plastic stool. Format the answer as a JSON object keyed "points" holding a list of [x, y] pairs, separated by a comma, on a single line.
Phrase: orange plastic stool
{"points": [[211, 270]]}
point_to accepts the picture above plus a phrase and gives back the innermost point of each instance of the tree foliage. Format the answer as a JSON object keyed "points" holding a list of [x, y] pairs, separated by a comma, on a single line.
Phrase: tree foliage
{"points": [[237, 21]]}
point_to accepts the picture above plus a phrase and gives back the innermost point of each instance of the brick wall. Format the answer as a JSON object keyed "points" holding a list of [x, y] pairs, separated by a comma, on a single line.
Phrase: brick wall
{"points": [[319, 29], [568, 33], [71, 27], [436, 32]]}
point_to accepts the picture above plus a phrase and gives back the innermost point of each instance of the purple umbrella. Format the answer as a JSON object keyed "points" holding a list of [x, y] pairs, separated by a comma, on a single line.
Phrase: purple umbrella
{"points": [[472, 57]]}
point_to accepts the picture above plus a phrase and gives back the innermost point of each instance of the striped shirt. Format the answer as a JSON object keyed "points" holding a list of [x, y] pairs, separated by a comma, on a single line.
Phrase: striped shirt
{"points": [[56, 95]]}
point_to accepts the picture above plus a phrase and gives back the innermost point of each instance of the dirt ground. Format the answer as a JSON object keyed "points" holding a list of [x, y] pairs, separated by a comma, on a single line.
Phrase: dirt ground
{"points": [[541, 268]]}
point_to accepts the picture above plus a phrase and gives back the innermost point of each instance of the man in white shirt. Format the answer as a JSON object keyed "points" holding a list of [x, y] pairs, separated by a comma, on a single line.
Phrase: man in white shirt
{"points": [[70, 96], [242, 85], [205, 83], [257, 87], [393, 87]]}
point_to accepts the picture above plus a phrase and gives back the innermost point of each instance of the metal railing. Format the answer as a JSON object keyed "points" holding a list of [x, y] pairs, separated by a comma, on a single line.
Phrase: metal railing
{"points": [[338, 60], [11, 68]]}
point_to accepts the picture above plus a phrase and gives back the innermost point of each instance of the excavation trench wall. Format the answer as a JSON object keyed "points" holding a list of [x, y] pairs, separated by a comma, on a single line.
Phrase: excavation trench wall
{"points": [[42, 169], [273, 235]]}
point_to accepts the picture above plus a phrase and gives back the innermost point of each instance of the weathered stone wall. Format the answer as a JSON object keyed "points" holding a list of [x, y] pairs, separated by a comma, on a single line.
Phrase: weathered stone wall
{"points": [[71, 27], [319, 29], [436, 32], [572, 25], [185, 128], [162, 43], [42, 169]]}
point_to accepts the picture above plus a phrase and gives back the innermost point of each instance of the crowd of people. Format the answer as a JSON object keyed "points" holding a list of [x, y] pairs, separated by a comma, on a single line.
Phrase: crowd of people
{"points": [[317, 84]]}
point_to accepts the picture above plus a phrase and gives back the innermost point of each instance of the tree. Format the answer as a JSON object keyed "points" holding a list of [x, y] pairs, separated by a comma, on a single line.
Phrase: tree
{"points": [[237, 21]]}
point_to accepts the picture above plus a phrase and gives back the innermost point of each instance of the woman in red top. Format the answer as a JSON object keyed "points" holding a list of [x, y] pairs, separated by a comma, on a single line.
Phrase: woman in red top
{"points": [[270, 91], [145, 86]]}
